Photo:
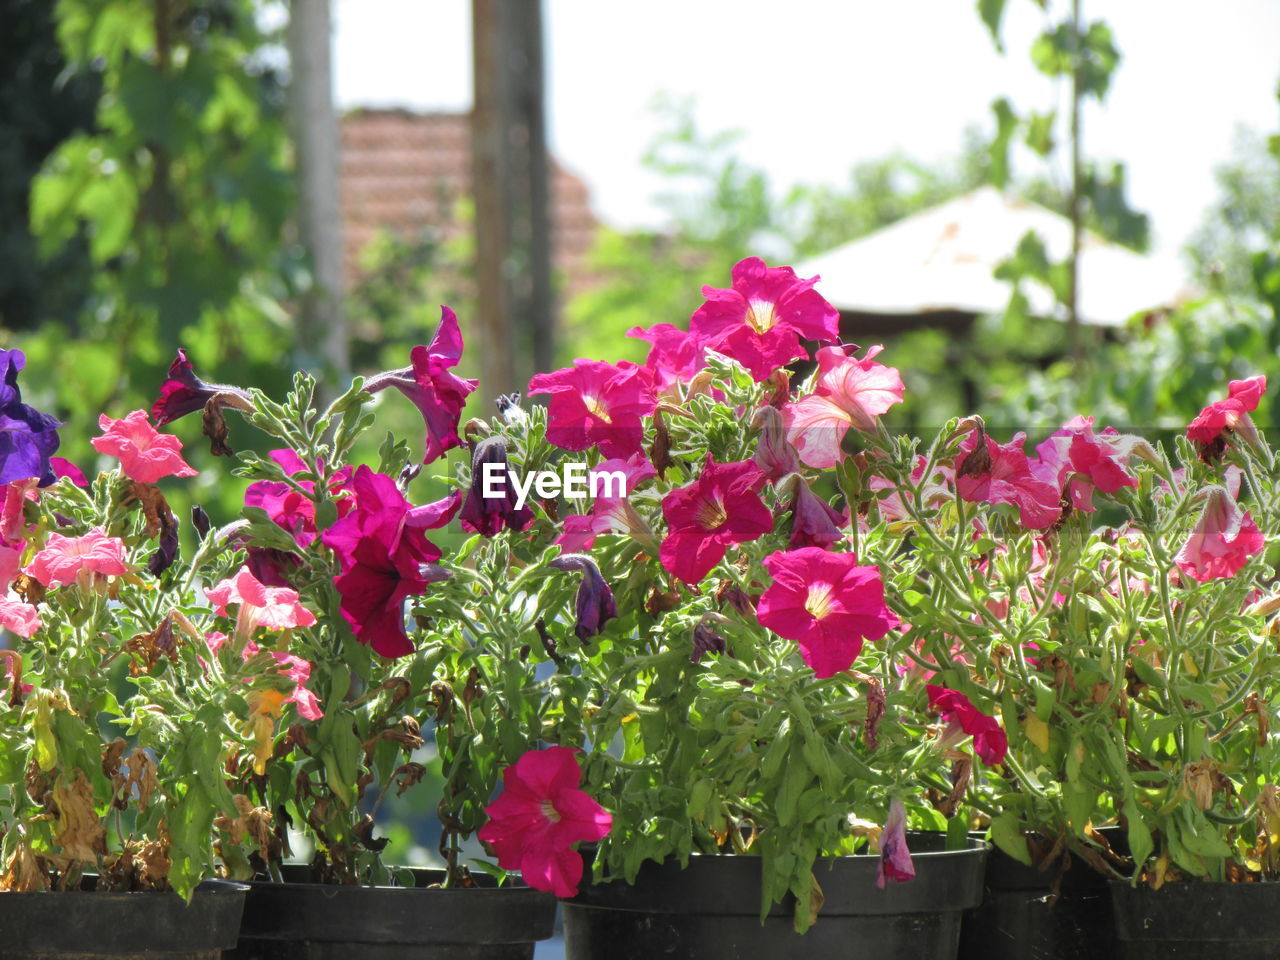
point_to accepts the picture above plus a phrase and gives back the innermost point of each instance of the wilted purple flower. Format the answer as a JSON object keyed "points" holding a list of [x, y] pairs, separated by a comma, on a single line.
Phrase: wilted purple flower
{"points": [[437, 392], [705, 640], [28, 437], [814, 523], [895, 858], [183, 392], [489, 515], [595, 606], [167, 551], [200, 520], [774, 454]]}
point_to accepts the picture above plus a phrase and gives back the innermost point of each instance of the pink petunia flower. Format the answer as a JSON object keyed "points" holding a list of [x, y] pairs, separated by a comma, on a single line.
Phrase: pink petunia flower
{"points": [[612, 511], [988, 472], [774, 454], [1079, 461], [540, 815], [814, 522], [439, 394], [272, 608], [597, 404], [385, 558], [761, 320], [145, 455], [720, 508], [933, 493], [849, 392], [299, 671], [65, 469], [80, 560], [964, 719], [18, 617], [1216, 422], [827, 604], [674, 358], [1223, 539], [895, 859]]}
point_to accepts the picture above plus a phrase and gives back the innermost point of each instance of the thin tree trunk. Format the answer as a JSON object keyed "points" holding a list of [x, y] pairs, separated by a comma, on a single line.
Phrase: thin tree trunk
{"points": [[322, 331]]}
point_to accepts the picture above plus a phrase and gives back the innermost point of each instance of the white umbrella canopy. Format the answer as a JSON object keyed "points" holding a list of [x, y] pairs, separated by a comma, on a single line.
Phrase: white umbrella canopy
{"points": [[943, 260]]}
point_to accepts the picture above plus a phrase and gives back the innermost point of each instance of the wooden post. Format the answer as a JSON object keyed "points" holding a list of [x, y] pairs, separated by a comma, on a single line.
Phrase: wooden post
{"points": [[322, 331], [510, 185]]}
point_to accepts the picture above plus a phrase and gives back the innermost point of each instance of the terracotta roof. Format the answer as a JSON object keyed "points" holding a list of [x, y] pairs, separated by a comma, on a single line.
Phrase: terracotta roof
{"points": [[405, 172]]}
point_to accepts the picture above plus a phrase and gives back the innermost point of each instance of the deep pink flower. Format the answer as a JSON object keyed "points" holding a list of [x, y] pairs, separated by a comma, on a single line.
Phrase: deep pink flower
{"points": [[598, 404], [987, 472], [62, 467], [676, 354], [437, 392], [1078, 461], [827, 604], [1211, 428], [895, 859], [964, 719], [18, 617], [385, 558], [1223, 539], [611, 511], [82, 559], [849, 392], [540, 815], [183, 392], [761, 320], [720, 508], [145, 455], [272, 608]]}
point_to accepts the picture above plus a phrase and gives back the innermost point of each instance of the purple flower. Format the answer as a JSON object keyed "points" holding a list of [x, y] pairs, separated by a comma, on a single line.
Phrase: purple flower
{"points": [[438, 393], [594, 606], [183, 392], [814, 522], [485, 514], [705, 640], [27, 437], [895, 858]]}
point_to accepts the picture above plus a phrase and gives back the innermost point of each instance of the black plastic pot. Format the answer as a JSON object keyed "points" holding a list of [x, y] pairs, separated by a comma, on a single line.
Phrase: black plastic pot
{"points": [[1198, 921], [311, 921], [100, 925], [711, 911], [1017, 921]]}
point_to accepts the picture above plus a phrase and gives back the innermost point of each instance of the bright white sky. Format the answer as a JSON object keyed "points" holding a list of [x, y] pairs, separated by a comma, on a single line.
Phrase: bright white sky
{"points": [[817, 85]]}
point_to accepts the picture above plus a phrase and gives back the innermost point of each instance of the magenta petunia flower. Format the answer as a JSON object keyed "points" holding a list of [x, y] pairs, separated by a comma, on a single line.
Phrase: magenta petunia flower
{"points": [[183, 392], [144, 454], [720, 508], [437, 392], [18, 617], [827, 604], [761, 320], [1216, 422], [64, 468], [895, 859], [385, 558], [987, 472], [611, 511], [272, 608], [964, 719], [81, 559], [1078, 461], [676, 355], [849, 392], [540, 815], [1223, 539], [597, 404]]}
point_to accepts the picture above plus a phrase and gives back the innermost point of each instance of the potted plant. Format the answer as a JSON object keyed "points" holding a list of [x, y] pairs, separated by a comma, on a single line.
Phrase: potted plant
{"points": [[110, 769]]}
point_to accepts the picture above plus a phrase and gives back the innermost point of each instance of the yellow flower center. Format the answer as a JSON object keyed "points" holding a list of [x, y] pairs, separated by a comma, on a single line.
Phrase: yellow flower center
{"points": [[596, 408], [711, 514], [818, 603], [760, 315], [550, 812]]}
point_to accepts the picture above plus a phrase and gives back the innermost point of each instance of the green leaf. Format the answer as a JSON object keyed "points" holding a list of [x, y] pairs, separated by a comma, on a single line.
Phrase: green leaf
{"points": [[1006, 125], [992, 12], [1006, 833]]}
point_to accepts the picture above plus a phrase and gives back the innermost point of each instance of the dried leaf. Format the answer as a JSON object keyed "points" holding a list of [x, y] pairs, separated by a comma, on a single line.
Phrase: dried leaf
{"points": [[79, 831]]}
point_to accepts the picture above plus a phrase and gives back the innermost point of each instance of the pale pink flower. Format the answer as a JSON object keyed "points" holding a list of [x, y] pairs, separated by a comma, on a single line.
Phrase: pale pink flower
{"points": [[82, 559], [272, 608], [18, 617], [145, 454]]}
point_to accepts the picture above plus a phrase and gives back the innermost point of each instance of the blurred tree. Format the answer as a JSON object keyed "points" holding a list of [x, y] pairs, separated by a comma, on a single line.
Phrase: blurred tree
{"points": [[41, 104]]}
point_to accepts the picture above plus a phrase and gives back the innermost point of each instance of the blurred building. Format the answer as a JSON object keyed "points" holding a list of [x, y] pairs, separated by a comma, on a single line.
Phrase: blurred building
{"points": [[406, 172]]}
